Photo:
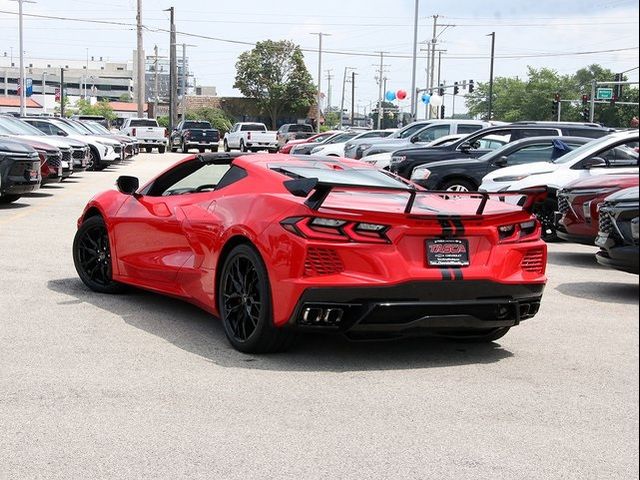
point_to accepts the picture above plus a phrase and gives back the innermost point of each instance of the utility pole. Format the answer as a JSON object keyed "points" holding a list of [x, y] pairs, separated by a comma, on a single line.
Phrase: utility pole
{"points": [[155, 79], [319, 96], [344, 83], [44, 92], [434, 41], [353, 97], [23, 79], [381, 87], [173, 71], [426, 105], [493, 46], [414, 105], [140, 93], [62, 92], [183, 79], [592, 105], [329, 77]]}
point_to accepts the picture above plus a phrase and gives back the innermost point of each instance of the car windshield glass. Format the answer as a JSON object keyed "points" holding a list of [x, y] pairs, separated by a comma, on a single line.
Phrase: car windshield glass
{"points": [[82, 128], [94, 128], [578, 153], [196, 125], [143, 123], [97, 127], [495, 153], [18, 127], [65, 127]]}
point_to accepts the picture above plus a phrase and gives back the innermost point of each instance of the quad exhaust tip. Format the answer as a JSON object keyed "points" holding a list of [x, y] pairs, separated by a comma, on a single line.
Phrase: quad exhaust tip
{"points": [[321, 316]]}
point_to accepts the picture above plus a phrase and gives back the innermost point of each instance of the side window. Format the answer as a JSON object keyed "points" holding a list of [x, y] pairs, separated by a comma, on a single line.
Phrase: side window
{"points": [[624, 155], [585, 132], [410, 131], [468, 128], [43, 127], [190, 177], [431, 133], [530, 154], [519, 133], [490, 140]]}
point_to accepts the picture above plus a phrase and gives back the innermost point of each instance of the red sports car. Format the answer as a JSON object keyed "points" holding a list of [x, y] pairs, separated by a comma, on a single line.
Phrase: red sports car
{"points": [[578, 205], [274, 243]]}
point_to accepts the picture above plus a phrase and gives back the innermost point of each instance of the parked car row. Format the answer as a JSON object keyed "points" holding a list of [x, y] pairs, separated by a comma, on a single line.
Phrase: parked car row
{"points": [[39, 150], [579, 164]]}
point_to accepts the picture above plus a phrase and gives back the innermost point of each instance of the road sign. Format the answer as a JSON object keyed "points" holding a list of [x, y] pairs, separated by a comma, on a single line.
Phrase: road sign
{"points": [[29, 83], [604, 93]]}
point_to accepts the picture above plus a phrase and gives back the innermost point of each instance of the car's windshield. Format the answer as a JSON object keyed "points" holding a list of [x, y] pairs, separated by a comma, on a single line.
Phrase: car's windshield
{"points": [[66, 128], [82, 128], [408, 131], [17, 127], [92, 127], [300, 128]]}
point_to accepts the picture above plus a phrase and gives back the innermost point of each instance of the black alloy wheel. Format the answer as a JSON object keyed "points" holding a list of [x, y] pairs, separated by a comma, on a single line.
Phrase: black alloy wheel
{"points": [[92, 256], [546, 213], [244, 298]]}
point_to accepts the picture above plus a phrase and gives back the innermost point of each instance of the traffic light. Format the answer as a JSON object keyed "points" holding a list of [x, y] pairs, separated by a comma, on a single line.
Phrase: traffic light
{"points": [[554, 108], [471, 86], [441, 90], [442, 111], [617, 89], [585, 99], [456, 90]]}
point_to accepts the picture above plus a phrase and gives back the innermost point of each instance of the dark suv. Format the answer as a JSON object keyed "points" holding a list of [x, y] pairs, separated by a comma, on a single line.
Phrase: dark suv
{"points": [[405, 160], [19, 170]]}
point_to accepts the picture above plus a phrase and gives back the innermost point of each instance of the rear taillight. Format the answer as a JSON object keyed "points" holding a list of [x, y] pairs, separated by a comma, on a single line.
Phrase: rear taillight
{"points": [[248, 135], [166, 132], [337, 230], [523, 231], [133, 132]]}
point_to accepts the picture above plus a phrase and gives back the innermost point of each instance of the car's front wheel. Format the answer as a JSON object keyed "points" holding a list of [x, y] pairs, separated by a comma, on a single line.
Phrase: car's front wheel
{"points": [[457, 185], [244, 303], [92, 256], [546, 214]]}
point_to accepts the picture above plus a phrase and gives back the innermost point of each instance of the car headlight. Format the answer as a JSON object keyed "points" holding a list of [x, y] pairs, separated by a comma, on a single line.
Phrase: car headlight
{"points": [[510, 178], [395, 159], [634, 228], [420, 173]]}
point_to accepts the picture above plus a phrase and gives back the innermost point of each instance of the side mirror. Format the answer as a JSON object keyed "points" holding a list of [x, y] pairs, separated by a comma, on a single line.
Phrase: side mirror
{"points": [[60, 133], [594, 162], [501, 162], [414, 139], [128, 185]]}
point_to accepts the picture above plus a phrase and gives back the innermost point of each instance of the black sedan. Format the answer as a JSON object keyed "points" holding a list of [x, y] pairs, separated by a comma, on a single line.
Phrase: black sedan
{"points": [[19, 170], [465, 174], [618, 231]]}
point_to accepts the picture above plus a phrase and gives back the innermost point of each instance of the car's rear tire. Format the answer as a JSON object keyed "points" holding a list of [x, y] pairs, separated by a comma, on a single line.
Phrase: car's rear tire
{"points": [[244, 303], [6, 199], [458, 185], [225, 146], [185, 147], [243, 148], [214, 149], [161, 150], [482, 336], [148, 149], [92, 256]]}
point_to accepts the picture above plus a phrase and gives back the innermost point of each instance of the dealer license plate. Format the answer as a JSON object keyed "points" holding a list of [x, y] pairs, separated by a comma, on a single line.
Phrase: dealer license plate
{"points": [[449, 252]]}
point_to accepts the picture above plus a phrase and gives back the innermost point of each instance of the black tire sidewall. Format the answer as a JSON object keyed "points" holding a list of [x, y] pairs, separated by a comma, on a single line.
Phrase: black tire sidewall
{"points": [[265, 325], [112, 287]]}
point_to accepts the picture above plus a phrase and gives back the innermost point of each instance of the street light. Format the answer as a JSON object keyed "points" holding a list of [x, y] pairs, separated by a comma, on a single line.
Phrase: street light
{"points": [[183, 81], [319, 97], [23, 80]]}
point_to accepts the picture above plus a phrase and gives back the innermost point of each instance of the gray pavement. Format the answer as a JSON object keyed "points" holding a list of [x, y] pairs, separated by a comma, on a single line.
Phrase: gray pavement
{"points": [[141, 386]]}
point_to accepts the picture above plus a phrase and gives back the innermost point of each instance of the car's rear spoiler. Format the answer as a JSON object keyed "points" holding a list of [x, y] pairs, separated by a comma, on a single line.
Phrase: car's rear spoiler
{"points": [[303, 187]]}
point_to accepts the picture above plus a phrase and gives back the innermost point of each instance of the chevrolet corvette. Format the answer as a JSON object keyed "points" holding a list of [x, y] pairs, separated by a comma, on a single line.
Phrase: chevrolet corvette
{"points": [[275, 244]]}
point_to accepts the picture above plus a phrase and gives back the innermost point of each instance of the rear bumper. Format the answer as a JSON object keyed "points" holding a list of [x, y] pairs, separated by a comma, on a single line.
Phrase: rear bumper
{"points": [[417, 308], [624, 258], [150, 142]]}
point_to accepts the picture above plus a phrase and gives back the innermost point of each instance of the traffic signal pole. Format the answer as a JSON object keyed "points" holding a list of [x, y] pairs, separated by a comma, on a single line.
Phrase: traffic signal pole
{"points": [[592, 105]]}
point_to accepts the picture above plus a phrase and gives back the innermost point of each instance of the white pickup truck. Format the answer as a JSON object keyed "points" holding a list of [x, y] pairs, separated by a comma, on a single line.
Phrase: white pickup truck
{"points": [[250, 137], [148, 133]]}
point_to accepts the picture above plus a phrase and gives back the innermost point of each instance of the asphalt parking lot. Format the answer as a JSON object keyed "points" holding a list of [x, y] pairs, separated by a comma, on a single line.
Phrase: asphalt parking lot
{"points": [[141, 386]]}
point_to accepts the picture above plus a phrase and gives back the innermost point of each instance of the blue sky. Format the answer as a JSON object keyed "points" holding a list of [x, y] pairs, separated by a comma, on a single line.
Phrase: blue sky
{"points": [[524, 29]]}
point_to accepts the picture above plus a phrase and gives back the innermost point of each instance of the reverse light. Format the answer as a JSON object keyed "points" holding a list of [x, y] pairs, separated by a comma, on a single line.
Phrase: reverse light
{"points": [[337, 230], [133, 132]]}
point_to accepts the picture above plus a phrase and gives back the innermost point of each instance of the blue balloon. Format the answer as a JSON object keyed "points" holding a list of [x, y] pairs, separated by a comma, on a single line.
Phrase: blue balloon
{"points": [[390, 96], [426, 98]]}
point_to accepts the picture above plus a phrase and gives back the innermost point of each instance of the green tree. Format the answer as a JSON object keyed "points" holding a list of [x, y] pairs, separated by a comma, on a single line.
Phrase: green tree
{"points": [[218, 118], [101, 108], [125, 97], [275, 75], [531, 98]]}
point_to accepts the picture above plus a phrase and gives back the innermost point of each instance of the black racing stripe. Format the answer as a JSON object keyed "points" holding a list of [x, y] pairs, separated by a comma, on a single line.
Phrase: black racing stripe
{"points": [[456, 273], [446, 274], [458, 225], [447, 227]]}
